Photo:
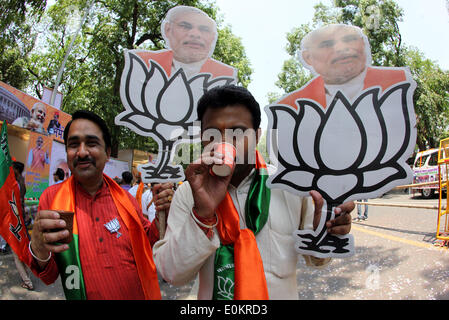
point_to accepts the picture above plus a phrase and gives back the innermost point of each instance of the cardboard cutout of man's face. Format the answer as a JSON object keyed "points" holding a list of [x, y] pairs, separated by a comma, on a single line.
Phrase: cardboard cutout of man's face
{"points": [[347, 133], [190, 33], [338, 53], [160, 89]]}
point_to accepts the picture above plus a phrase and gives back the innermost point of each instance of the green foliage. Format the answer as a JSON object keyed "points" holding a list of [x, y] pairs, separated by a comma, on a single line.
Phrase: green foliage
{"points": [[431, 99], [17, 38], [229, 49]]}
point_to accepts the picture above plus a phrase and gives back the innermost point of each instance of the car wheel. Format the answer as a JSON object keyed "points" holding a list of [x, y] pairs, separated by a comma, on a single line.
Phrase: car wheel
{"points": [[427, 193]]}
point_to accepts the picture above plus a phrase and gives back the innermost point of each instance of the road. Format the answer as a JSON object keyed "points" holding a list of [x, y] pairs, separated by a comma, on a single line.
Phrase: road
{"points": [[395, 259]]}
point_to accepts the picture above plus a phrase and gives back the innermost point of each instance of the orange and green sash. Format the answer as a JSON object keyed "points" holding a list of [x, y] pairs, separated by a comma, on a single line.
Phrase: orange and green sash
{"points": [[69, 263], [239, 272]]}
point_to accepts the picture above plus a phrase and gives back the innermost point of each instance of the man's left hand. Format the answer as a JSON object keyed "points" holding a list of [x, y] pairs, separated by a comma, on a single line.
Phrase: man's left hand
{"points": [[341, 224]]}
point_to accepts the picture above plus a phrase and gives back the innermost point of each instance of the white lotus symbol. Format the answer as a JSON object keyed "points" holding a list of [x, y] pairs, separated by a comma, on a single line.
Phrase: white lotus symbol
{"points": [[162, 108], [346, 152], [358, 150]]}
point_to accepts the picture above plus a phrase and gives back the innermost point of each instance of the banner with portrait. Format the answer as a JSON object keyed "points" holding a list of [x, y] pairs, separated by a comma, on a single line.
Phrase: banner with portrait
{"points": [[23, 110], [58, 160], [37, 164]]}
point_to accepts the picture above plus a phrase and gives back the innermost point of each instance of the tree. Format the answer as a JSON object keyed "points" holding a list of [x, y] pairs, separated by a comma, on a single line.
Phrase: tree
{"points": [[92, 76], [431, 99], [17, 38], [379, 21]]}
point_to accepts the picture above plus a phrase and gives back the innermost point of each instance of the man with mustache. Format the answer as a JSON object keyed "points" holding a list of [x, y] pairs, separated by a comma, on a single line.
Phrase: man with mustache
{"points": [[190, 36], [37, 120], [110, 256], [340, 55], [38, 157]]}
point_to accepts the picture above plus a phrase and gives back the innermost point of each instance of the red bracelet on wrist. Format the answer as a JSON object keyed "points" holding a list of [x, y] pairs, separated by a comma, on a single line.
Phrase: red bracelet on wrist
{"points": [[201, 222]]}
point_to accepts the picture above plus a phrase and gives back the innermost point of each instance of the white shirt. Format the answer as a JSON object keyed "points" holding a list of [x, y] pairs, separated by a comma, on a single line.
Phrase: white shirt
{"points": [[147, 196], [133, 190], [150, 211], [186, 251]]}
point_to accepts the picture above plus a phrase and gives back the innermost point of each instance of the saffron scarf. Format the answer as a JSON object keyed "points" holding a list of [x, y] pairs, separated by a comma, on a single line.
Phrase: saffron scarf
{"points": [[74, 289], [139, 194], [239, 272]]}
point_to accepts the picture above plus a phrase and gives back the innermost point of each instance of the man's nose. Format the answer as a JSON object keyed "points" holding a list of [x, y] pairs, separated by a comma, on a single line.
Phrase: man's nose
{"points": [[340, 46], [82, 150], [194, 33]]}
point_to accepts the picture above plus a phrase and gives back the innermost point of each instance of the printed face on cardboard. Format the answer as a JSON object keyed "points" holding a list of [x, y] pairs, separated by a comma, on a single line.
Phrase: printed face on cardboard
{"points": [[351, 127], [338, 53], [347, 133], [190, 33], [160, 89]]}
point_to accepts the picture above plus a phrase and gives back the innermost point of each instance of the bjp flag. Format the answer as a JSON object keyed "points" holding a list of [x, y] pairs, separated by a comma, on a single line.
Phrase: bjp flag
{"points": [[12, 226]]}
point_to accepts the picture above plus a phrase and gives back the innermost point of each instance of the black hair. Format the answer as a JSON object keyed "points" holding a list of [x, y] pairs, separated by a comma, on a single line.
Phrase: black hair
{"points": [[229, 95], [60, 173], [127, 177], [19, 166], [89, 115]]}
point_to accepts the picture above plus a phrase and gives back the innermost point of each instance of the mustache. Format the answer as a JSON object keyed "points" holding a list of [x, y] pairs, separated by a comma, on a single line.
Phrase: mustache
{"points": [[194, 43], [85, 159], [353, 56]]}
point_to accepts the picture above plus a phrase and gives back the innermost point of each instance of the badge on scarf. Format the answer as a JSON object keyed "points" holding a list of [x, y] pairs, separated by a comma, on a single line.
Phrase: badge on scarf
{"points": [[113, 226]]}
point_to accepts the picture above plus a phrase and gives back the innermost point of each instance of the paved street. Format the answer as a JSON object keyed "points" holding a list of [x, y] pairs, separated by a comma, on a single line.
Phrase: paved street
{"points": [[395, 259]]}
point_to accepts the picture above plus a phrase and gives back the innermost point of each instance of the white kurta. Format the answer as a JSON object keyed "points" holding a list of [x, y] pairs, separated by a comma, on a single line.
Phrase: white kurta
{"points": [[186, 251]]}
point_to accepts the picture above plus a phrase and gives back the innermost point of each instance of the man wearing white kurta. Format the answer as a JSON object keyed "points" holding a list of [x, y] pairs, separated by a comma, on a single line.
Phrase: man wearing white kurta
{"points": [[187, 249]]}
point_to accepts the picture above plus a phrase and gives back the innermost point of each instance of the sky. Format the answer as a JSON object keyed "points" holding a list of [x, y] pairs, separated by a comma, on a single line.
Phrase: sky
{"points": [[263, 25]]}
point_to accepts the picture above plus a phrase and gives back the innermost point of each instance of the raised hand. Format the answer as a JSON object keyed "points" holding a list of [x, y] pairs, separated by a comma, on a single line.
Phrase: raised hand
{"points": [[208, 189]]}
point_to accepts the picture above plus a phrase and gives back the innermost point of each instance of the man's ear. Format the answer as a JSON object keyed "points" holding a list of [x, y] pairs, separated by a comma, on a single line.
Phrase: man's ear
{"points": [[108, 152], [167, 28], [307, 57]]}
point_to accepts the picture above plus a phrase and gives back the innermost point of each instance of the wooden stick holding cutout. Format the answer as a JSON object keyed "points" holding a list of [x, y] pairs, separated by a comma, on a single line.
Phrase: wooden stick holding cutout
{"points": [[160, 214], [162, 225]]}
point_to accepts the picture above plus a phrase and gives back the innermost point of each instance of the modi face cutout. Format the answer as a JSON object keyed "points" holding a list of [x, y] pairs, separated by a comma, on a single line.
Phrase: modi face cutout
{"points": [[190, 33], [338, 53], [346, 133], [160, 89]]}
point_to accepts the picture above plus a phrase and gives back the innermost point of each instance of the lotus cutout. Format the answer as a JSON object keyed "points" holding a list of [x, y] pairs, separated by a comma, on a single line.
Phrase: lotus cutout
{"points": [[163, 108], [347, 151]]}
